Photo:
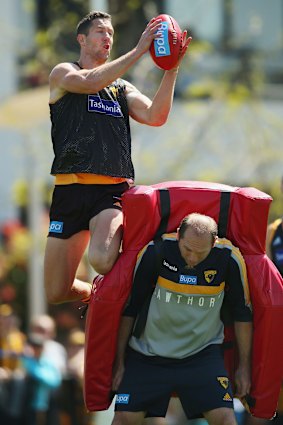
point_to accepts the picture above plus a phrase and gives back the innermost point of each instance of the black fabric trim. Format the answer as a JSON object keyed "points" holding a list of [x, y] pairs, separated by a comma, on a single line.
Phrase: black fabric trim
{"points": [[250, 400], [224, 214], [165, 214], [142, 317], [228, 345], [77, 63], [165, 207]]}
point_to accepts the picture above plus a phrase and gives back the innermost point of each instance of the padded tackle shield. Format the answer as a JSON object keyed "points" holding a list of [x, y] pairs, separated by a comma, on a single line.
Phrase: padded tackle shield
{"points": [[241, 214]]}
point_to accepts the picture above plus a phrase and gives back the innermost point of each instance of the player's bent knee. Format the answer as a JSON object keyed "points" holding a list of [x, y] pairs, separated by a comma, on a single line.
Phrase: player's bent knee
{"points": [[221, 416], [54, 295], [101, 263], [54, 298], [128, 418]]}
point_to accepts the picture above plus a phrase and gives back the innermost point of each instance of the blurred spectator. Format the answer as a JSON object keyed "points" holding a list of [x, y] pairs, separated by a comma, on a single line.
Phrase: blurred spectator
{"points": [[42, 378], [274, 250], [11, 377], [75, 352], [274, 241], [44, 326], [72, 401], [11, 339]]}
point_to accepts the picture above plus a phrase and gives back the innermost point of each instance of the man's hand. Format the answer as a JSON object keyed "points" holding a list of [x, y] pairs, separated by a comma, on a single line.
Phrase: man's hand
{"points": [[149, 34], [242, 381], [243, 334], [185, 44]]}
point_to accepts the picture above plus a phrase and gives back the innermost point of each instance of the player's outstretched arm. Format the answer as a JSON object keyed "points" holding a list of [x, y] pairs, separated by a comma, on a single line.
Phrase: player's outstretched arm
{"points": [[125, 329], [68, 78]]}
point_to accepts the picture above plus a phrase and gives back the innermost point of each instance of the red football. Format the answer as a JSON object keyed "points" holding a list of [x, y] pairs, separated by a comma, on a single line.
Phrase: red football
{"points": [[166, 48]]}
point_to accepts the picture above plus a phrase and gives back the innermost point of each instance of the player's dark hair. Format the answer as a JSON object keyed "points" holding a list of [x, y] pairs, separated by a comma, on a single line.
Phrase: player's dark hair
{"points": [[85, 24], [200, 223]]}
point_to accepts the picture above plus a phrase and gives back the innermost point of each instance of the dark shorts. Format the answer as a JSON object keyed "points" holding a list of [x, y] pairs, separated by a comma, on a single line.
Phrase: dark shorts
{"points": [[200, 381], [74, 205]]}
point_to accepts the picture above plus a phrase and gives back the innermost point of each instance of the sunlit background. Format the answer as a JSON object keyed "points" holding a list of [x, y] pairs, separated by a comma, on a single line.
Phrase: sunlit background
{"points": [[225, 125]]}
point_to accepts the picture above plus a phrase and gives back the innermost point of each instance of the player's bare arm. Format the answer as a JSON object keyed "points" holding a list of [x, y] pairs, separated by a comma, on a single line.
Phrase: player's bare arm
{"points": [[66, 77], [152, 112], [125, 329], [155, 112], [243, 334]]}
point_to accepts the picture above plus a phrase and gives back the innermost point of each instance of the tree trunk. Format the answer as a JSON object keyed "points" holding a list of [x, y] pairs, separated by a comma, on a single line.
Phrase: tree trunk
{"points": [[129, 19]]}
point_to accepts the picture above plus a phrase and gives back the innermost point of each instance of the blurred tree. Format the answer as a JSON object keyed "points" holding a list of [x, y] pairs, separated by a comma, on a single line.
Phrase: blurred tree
{"points": [[129, 19], [55, 39]]}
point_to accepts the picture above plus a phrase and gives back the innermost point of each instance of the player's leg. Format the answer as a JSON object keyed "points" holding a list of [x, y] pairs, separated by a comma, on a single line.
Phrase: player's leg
{"points": [[128, 418], [62, 257], [221, 416], [204, 389], [105, 239]]}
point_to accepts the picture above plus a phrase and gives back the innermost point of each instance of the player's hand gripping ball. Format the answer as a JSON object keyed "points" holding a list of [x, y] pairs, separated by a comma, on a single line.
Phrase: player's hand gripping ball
{"points": [[166, 48]]}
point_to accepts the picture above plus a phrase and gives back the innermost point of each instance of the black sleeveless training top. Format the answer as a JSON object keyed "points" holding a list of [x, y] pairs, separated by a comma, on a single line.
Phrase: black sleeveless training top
{"points": [[91, 133]]}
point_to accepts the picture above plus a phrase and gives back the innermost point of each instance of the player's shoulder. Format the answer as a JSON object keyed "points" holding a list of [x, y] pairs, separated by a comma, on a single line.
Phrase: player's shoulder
{"points": [[225, 245], [130, 88], [169, 237], [229, 251], [150, 246], [62, 68]]}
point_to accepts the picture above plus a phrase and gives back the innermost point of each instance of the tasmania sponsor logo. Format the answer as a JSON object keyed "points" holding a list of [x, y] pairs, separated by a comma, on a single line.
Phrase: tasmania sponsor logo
{"points": [[102, 106], [188, 280], [56, 227], [122, 398], [161, 43]]}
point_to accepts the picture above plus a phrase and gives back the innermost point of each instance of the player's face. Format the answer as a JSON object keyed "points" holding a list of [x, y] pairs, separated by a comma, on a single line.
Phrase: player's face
{"points": [[99, 41], [194, 248]]}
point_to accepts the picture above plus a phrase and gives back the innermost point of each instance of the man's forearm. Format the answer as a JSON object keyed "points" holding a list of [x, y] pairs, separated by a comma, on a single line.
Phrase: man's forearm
{"points": [[163, 99], [244, 336], [125, 329], [105, 74]]}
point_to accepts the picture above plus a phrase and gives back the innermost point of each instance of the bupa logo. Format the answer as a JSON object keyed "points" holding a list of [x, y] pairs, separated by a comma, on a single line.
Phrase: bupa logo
{"points": [[161, 43], [56, 227], [188, 280], [122, 398]]}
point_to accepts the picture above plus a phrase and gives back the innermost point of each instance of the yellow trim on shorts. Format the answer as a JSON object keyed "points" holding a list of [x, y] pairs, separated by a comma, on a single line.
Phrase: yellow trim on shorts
{"points": [[87, 178]]}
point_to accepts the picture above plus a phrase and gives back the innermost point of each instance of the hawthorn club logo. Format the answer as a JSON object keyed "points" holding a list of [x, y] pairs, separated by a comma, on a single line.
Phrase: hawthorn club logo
{"points": [[209, 275]]}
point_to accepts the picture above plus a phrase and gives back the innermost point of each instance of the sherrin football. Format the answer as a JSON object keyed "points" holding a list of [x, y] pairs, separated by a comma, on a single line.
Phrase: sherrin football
{"points": [[166, 48]]}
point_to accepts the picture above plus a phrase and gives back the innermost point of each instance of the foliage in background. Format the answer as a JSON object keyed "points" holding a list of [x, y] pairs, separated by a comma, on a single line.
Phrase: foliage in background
{"points": [[55, 39]]}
